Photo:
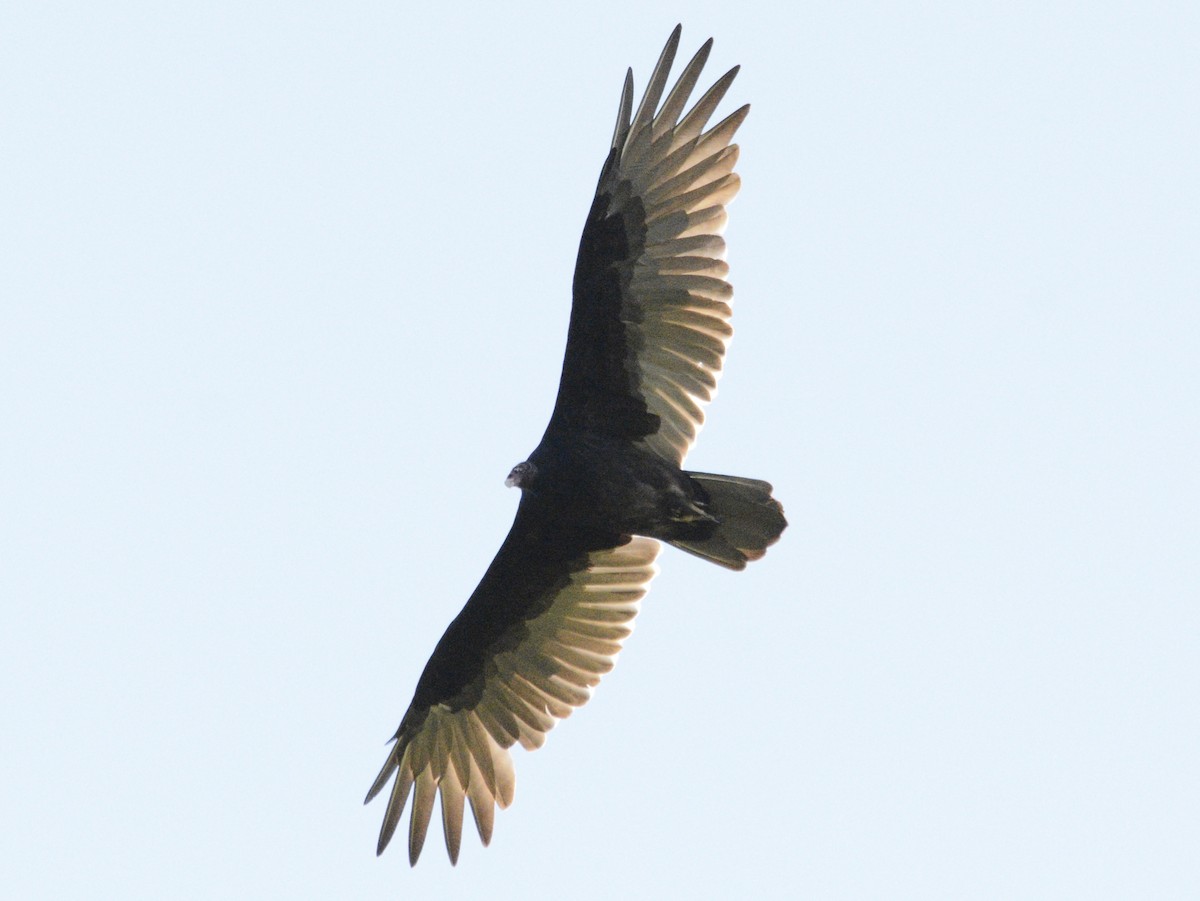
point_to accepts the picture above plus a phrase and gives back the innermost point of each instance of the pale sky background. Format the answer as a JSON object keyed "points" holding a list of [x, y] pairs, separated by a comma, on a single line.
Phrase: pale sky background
{"points": [[283, 296]]}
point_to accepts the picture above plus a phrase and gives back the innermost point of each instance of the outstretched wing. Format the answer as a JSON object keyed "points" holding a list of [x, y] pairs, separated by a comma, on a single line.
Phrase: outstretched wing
{"points": [[546, 621], [650, 312]]}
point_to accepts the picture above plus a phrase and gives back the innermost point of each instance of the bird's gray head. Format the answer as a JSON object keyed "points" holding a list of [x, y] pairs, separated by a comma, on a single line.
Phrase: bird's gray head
{"points": [[522, 475]]}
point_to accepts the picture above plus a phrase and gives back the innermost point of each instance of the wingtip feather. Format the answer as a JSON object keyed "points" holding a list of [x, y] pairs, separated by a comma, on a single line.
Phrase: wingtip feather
{"points": [[422, 812]]}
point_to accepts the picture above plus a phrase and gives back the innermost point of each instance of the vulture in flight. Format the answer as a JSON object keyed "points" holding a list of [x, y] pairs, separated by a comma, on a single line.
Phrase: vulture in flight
{"points": [[648, 330]]}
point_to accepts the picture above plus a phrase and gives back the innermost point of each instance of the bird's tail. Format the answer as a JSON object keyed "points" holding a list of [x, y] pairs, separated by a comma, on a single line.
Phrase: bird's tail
{"points": [[749, 520]]}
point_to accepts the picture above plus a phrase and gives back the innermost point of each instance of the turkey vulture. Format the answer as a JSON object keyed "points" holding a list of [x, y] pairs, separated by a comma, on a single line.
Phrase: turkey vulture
{"points": [[649, 326]]}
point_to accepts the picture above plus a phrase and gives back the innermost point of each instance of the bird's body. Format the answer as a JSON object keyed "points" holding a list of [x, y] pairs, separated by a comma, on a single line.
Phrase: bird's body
{"points": [[646, 343], [607, 486]]}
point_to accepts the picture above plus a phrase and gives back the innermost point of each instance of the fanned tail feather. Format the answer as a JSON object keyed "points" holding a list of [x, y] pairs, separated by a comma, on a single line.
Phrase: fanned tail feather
{"points": [[750, 520]]}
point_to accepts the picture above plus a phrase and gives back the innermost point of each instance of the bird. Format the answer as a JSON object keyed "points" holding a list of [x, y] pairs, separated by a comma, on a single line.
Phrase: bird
{"points": [[648, 330]]}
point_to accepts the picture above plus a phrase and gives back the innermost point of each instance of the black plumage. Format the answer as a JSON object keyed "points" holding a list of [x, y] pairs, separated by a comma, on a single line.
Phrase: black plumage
{"points": [[647, 336]]}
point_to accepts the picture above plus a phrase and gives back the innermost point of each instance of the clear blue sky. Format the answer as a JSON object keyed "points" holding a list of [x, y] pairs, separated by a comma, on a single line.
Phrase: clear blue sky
{"points": [[283, 295]]}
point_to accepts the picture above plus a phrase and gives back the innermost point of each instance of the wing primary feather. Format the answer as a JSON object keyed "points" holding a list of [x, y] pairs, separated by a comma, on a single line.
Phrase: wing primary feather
{"points": [[719, 135], [481, 745], [483, 806], [668, 115], [694, 176], [422, 810], [416, 755], [395, 808], [389, 767], [439, 753], [506, 780], [654, 87], [452, 794], [621, 129], [535, 720], [720, 191], [499, 722], [531, 686], [460, 752], [697, 117], [559, 699]]}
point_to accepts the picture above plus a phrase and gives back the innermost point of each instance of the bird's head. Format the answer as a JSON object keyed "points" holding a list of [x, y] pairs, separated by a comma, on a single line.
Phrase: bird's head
{"points": [[522, 475]]}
